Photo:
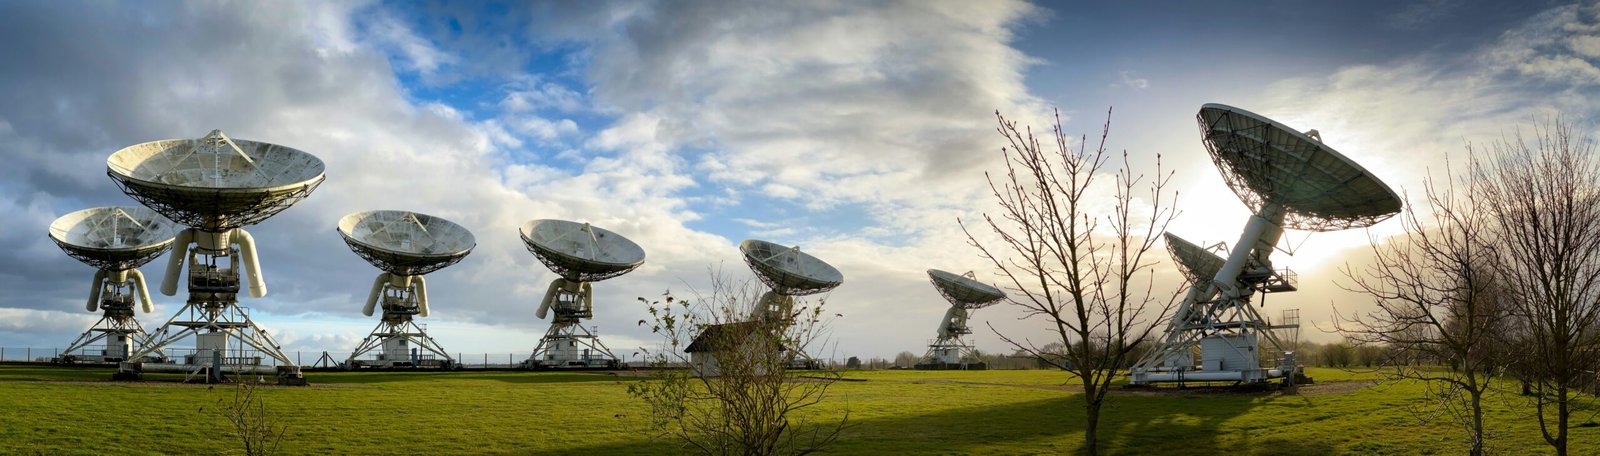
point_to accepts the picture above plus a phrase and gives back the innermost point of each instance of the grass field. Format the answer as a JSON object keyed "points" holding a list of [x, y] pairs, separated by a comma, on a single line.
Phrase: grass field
{"points": [[46, 410]]}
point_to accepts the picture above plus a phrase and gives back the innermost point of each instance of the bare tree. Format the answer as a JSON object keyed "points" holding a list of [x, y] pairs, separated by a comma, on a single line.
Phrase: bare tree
{"points": [[1437, 302], [1085, 274], [1544, 197], [738, 392], [905, 359], [257, 427]]}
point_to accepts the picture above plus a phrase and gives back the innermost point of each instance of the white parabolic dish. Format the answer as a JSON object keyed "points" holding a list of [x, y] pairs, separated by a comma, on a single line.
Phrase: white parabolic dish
{"points": [[1198, 264], [114, 238], [405, 243], [580, 252], [788, 270], [215, 183], [965, 291], [1267, 162]]}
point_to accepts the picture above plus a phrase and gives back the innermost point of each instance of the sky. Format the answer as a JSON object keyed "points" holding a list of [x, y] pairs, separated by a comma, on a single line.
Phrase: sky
{"points": [[859, 131]]}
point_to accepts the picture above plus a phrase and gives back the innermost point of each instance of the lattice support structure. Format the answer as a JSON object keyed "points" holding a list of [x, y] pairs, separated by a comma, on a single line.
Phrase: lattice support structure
{"points": [[568, 344], [213, 316], [387, 336], [397, 334], [950, 353], [1216, 317], [120, 332]]}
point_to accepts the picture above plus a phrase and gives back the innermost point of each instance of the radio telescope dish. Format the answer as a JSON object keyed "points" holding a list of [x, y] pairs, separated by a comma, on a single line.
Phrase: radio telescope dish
{"points": [[1266, 162], [114, 238], [215, 186], [789, 271], [1290, 180], [405, 243], [964, 291], [215, 183], [580, 252], [1196, 263], [116, 241]]}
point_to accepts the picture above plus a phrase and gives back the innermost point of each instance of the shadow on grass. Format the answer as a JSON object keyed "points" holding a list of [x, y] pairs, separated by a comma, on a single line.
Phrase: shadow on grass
{"points": [[970, 430], [1198, 421], [1131, 424]]}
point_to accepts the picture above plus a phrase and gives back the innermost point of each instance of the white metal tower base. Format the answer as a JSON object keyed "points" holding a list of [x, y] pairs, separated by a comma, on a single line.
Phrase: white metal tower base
{"points": [[121, 332], [400, 344], [213, 315], [568, 344], [122, 336], [950, 353], [1216, 318], [401, 341]]}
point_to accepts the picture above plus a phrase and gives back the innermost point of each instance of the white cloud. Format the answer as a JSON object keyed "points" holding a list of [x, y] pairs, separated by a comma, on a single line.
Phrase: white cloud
{"points": [[538, 95], [829, 103], [545, 129], [1131, 79], [416, 52], [1561, 46], [1585, 45]]}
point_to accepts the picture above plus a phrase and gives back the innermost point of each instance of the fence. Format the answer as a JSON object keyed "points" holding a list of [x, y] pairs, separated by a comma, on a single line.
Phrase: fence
{"points": [[236, 355]]}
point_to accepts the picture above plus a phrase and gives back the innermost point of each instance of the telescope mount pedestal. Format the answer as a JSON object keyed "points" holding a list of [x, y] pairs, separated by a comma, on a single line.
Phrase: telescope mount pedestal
{"points": [[949, 352], [213, 315], [568, 344], [122, 333], [396, 334], [1216, 317]]}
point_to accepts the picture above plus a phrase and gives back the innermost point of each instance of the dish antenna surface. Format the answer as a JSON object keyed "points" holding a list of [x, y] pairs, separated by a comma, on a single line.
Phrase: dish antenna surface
{"points": [[405, 245], [581, 254], [216, 186], [1197, 263], [789, 271], [1290, 179], [965, 293], [115, 241]]}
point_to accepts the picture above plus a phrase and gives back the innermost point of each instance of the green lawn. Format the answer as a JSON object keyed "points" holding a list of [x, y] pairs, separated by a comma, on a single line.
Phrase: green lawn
{"points": [[77, 411]]}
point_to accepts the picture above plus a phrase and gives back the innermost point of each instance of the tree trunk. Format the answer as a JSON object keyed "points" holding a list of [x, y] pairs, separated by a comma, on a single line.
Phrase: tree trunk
{"points": [[1477, 420], [1561, 420], [1091, 420]]}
